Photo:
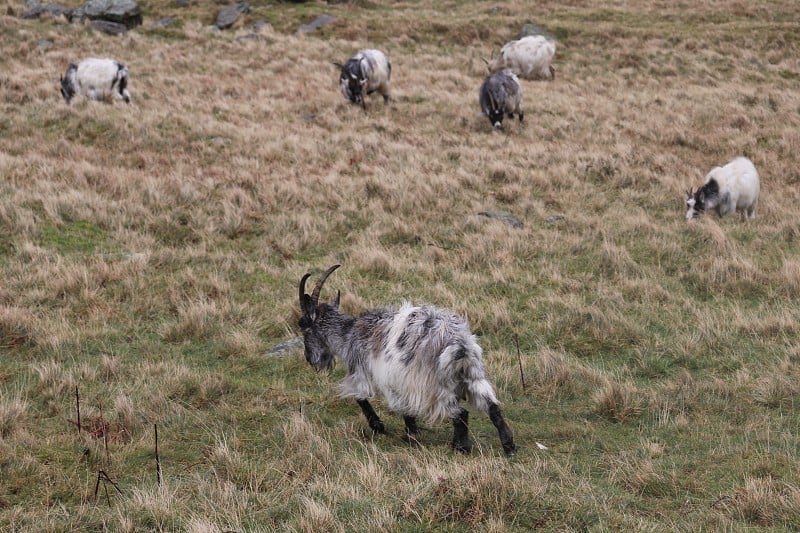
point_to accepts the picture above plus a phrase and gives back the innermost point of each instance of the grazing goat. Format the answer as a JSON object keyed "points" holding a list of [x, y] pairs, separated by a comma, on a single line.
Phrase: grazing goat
{"points": [[364, 73], [422, 360], [500, 93], [529, 58], [726, 189], [96, 79]]}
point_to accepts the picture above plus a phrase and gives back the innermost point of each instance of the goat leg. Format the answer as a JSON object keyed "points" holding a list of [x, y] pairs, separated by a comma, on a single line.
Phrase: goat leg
{"points": [[461, 432], [412, 430], [373, 419], [506, 437]]}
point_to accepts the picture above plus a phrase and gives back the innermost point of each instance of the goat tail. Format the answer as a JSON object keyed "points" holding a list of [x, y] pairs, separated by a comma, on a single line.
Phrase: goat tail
{"points": [[476, 386], [481, 394]]}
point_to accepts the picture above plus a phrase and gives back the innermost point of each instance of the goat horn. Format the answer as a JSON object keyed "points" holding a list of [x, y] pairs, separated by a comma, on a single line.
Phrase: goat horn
{"points": [[320, 281], [303, 288]]}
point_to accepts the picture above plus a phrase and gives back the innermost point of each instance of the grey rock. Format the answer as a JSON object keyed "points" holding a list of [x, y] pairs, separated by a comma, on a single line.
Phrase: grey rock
{"points": [[552, 219], [126, 12], [532, 28], [250, 37], [503, 216], [228, 15], [35, 10], [162, 23], [320, 21], [182, 3], [43, 44], [109, 27], [260, 24], [286, 347]]}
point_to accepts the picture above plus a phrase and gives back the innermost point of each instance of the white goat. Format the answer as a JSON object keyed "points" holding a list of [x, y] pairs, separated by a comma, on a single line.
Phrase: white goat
{"points": [[96, 79], [501, 94], [423, 360], [529, 58], [364, 73], [726, 189]]}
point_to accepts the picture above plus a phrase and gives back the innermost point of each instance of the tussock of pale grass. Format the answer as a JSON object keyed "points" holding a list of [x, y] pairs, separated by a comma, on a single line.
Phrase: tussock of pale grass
{"points": [[16, 326], [640, 476], [618, 401], [317, 516], [764, 502], [195, 319], [303, 442], [241, 341], [13, 415]]}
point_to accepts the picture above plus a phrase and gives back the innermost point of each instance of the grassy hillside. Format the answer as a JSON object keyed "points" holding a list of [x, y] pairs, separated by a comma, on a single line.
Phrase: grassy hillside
{"points": [[150, 255]]}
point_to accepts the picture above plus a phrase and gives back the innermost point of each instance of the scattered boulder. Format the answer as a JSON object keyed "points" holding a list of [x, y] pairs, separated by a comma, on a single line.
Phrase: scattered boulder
{"points": [[109, 27], [250, 37], [503, 216], [35, 10], [320, 21], [126, 12], [162, 23], [286, 347], [229, 15], [182, 3], [552, 219], [260, 24]]}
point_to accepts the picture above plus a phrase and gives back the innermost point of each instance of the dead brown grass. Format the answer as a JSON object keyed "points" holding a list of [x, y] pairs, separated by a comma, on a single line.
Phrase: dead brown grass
{"points": [[149, 255]]}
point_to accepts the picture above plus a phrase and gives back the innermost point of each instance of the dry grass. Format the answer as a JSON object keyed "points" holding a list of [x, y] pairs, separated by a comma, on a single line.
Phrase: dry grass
{"points": [[149, 256]]}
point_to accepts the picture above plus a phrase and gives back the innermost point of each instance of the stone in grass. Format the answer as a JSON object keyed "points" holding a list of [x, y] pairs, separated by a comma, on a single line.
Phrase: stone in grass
{"points": [[35, 10], [552, 219], [162, 23], [503, 216], [286, 347], [111, 28], [228, 16], [320, 21], [125, 12]]}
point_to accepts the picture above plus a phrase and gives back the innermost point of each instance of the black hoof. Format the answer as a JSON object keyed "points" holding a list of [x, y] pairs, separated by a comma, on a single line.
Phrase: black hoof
{"points": [[462, 447]]}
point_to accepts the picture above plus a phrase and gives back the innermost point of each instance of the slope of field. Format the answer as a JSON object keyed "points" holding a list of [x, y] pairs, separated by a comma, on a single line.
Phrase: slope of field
{"points": [[150, 255]]}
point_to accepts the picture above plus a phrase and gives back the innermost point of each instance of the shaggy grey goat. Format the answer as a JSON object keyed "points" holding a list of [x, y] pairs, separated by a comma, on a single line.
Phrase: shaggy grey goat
{"points": [[500, 94], [423, 360]]}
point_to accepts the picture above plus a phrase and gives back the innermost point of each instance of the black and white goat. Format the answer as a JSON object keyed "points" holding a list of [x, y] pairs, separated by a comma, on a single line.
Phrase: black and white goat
{"points": [[726, 189], [364, 73], [423, 360], [501, 94], [96, 79]]}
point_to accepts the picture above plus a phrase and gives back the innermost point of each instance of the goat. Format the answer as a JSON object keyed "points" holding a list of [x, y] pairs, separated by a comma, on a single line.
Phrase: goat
{"points": [[726, 189], [96, 79], [529, 58], [364, 73], [501, 93], [422, 359]]}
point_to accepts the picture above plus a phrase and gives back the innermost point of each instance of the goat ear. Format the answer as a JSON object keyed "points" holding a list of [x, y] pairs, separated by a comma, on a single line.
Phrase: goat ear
{"points": [[335, 303], [338, 64]]}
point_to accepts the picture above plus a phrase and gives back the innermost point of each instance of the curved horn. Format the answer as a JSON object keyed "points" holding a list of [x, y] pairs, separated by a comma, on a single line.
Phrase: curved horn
{"points": [[303, 288], [320, 281]]}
